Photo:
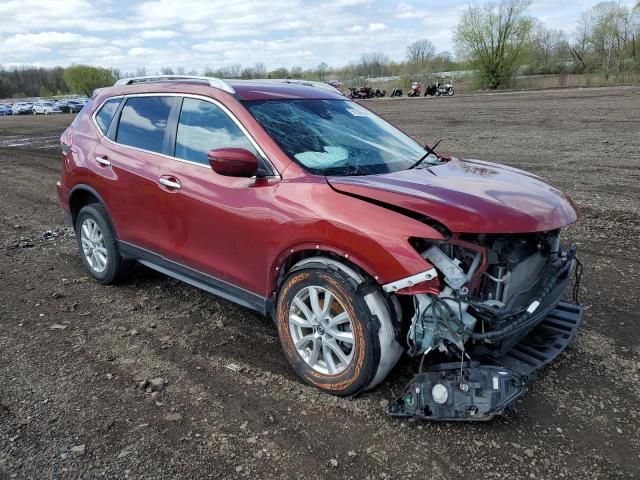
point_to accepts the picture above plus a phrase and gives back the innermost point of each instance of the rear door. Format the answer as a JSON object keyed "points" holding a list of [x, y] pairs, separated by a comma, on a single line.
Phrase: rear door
{"points": [[128, 160], [218, 224]]}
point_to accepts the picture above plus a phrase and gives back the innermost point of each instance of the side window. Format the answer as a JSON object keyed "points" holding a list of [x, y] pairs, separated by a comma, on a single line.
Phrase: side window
{"points": [[143, 122], [105, 115], [204, 126]]}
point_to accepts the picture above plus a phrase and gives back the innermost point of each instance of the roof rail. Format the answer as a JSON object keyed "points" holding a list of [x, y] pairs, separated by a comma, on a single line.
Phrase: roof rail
{"points": [[211, 81]]}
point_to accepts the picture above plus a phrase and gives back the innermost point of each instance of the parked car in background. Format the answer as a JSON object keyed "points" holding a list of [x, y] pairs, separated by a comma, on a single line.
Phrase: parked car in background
{"points": [[360, 243], [74, 106], [45, 107], [20, 108], [63, 105], [5, 109]]}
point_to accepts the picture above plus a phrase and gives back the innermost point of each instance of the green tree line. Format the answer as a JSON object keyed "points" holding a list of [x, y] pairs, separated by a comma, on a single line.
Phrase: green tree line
{"points": [[46, 82]]}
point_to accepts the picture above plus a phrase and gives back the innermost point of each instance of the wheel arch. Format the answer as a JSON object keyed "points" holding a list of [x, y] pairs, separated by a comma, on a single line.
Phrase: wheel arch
{"points": [[82, 195], [290, 257]]}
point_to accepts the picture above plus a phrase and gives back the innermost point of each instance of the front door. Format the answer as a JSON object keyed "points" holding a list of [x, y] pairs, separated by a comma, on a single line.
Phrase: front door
{"points": [[218, 225]]}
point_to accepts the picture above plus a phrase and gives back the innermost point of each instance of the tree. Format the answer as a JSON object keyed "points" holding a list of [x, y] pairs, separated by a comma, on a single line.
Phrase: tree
{"points": [[420, 51], [606, 38], [322, 70], [281, 72], [260, 70], [547, 45], [247, 73], [372, 65], [232, 71], [85, 79], [492, 38]]}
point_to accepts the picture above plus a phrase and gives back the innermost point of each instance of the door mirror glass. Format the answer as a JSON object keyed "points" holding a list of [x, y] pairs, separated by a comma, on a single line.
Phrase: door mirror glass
{"points": [[233, 162]]}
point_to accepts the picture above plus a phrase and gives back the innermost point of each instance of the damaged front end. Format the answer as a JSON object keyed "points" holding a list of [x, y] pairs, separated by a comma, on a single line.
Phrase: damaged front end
{"points": [[494, 315]]}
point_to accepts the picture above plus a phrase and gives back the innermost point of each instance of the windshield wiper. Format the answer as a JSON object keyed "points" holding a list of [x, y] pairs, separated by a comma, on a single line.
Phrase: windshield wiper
{"points": [[429, 152]]}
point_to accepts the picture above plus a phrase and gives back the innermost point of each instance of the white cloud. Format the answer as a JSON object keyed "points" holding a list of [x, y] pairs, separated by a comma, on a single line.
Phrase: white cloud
{"points": [[140, 51], [159, 34], [23, 46], [376, 27]]}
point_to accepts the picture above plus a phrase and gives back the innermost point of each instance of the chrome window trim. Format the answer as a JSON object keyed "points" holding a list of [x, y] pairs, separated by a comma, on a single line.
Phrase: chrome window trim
{"points": [[185, 95]]}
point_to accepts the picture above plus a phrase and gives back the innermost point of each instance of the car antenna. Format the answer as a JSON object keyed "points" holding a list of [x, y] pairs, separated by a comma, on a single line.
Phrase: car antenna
{"points": [[429, 152]]}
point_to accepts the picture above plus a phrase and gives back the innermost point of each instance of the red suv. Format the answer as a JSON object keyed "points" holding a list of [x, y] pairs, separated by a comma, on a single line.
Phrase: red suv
{"points": [[287, 198]]}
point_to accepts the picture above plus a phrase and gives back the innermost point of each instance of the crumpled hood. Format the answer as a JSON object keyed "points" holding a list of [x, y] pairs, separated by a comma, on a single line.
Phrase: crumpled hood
{"points": [[469, 196]]}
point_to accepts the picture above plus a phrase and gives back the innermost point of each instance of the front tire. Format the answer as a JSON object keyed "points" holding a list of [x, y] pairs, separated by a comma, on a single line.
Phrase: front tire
{"points": [[334, 337], [98, 246]]}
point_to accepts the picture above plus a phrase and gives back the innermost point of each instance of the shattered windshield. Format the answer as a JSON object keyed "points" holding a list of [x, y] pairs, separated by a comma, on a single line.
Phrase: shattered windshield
{"points": [[336, 137]]}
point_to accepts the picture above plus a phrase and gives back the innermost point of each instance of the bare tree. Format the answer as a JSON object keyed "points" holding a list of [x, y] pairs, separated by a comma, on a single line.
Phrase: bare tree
{"points": [[493, 37], [322, 70], [546, 43], [260, 70], [372, 64], [420, 51]]}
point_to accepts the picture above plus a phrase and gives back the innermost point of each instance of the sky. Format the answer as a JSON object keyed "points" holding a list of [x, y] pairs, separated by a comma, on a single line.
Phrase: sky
{"points": [[129, 34]]}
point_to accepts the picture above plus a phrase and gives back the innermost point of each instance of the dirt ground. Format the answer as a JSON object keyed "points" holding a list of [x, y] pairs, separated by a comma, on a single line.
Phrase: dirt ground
{"points": [[75, 357]]}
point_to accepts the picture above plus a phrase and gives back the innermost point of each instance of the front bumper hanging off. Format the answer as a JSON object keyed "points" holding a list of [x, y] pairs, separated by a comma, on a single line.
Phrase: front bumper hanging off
{"points": [[483, 387]]}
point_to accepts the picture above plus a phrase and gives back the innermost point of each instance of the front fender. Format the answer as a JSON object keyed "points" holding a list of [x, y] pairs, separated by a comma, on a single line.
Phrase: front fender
{"points": [[374, 238]]}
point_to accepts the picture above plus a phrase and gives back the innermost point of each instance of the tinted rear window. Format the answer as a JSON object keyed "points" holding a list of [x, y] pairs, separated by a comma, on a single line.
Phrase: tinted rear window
{"points": [[143, 122], [105, 115]]}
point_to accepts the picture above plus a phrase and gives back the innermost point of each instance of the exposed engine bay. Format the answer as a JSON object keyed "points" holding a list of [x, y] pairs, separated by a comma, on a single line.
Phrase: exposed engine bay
{"points": [[495, 318]]}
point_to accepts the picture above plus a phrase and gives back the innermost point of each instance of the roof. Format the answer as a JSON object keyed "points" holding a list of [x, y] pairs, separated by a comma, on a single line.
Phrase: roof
{"points": [[281, 89]]}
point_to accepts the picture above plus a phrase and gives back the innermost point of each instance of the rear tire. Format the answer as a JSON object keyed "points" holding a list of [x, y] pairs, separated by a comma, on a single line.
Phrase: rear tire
{"points": [[366, 338], [98, 246]]}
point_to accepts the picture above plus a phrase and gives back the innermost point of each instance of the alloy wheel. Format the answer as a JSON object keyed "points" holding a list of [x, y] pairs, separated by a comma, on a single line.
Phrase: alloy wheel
{"points": [[321, 330], [93, 246]]}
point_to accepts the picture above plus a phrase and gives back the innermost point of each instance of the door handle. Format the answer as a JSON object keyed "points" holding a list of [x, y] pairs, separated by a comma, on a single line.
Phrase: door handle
{"points": [[171, 184], [103, 161]]}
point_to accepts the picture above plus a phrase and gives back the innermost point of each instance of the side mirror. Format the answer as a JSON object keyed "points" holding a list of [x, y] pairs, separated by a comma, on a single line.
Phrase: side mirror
{"points": [[233, 162]]}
